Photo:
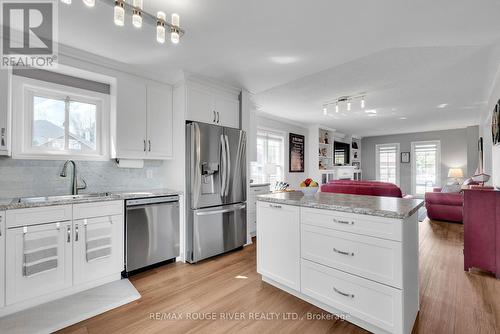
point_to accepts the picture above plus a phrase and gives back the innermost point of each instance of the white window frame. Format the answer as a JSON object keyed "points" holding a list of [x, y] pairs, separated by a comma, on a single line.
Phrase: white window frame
{"points": [[281, 134], [398, 161], [414, 165], [23, 90]]}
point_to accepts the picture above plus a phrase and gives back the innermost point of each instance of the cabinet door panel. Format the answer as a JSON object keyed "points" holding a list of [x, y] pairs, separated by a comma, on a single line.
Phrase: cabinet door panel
{"points": [[278, 245], [131, 118], [200, 104], [228, 109], [98, 248], [160, 121], [2, 259], [39, 261], [4, 107]]}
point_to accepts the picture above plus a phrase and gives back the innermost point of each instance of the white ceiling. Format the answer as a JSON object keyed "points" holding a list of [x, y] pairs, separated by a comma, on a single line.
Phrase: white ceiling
{"points": [[409, 56]]}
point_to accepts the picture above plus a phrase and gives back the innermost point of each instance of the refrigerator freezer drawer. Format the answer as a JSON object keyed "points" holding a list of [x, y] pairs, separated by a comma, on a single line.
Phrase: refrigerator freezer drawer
{"points": [[217, 230]]}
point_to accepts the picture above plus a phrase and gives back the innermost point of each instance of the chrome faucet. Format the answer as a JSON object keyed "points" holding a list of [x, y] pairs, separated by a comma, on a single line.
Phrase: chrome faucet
{"points": [[74, 181]]}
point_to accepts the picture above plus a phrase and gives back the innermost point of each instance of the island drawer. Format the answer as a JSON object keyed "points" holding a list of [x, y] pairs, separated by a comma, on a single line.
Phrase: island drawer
{"points": [[372, 258], [375, 303], [374, 226]]}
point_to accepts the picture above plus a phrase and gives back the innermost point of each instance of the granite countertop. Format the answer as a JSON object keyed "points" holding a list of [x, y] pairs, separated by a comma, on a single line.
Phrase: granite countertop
{"points": [[389, 207], [15, 203]]}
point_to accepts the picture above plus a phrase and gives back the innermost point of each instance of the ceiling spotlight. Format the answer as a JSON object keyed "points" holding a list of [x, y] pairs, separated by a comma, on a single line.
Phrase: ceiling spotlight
{"points": [[160, 27], [362, 103], [119, 13], [137, 13], [348, 106], [325, 111], [89, 3], [336, 107], [174, 30]]}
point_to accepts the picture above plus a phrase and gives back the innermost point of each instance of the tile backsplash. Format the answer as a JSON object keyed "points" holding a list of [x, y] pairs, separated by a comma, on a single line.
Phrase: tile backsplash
{"points": [[21, 178]]}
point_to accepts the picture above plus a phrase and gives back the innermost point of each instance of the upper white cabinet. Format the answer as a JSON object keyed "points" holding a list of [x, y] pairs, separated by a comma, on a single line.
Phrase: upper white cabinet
{"points": [[208, 103], [144, 119], [2, 258], [4, 110]]}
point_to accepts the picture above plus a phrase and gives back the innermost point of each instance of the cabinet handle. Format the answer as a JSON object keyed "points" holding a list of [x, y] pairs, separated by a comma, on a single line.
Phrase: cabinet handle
{"points": [[2, 135], [149, 143], [144, 145], [217, 117], [275, 206], [68, 233], [350, 295], [343, 222], [343, 252], [76, 232]]}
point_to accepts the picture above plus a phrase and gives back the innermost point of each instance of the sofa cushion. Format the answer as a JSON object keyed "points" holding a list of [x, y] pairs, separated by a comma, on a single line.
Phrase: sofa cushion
{"points": [[362, 188], [453, 199], [451, 188]]}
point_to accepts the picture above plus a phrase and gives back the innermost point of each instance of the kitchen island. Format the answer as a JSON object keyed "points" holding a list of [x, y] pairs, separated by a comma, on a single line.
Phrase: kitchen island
{"points": [[353, 256]]}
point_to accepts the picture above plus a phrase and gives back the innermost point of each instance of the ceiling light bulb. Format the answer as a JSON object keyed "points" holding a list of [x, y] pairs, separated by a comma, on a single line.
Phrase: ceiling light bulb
{"points": [[348, 106], [89, 3], [325, 111], [336, 108], [362, 103], [174, 31], [160, 27], [137, 13], [119, 13], [68, 2]]}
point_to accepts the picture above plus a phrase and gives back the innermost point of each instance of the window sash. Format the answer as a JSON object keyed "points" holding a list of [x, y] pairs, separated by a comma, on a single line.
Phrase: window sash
{"points": [[269, 142], [387, 163], [425, 166]]}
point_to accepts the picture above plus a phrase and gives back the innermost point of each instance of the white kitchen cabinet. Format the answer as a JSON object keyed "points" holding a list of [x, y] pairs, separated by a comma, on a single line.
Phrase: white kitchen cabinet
{"points": [[2, 258], [159, 121], [131, 118], [253, 192], [4, 112], [97, 248], [209, 103], [278, 251], [38, 260], [144, 119]]}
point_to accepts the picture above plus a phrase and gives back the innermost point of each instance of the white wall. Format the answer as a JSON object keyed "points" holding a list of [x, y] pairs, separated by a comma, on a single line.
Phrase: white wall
{"points": [[285, 126]]}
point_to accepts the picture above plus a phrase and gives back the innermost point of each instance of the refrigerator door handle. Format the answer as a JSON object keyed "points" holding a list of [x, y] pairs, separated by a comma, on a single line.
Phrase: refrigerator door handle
{"points": [[223, 166], [219, 211], [197, 163], [228, 169]]}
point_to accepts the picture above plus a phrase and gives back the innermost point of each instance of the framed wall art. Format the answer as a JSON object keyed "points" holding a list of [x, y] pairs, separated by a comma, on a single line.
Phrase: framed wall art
{"points": [[296, 150]]}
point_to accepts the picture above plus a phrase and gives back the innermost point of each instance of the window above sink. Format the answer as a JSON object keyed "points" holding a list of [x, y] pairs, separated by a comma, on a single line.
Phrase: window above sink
{"points": [[55, 121]]}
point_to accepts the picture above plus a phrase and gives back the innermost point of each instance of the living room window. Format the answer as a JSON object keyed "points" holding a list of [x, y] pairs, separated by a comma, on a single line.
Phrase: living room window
{"points": [[425, 166], [270, 157], [387, 163]]}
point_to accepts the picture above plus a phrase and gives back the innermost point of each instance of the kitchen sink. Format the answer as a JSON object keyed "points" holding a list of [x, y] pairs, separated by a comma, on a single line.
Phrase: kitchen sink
{"points": [[60, 198]]}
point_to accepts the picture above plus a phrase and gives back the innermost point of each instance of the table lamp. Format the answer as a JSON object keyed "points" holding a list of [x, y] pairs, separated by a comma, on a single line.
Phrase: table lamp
{"points": [[456, 173]]}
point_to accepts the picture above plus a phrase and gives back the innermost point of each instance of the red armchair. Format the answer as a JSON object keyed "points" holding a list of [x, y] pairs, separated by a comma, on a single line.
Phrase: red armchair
{"points": [[444, 206]]}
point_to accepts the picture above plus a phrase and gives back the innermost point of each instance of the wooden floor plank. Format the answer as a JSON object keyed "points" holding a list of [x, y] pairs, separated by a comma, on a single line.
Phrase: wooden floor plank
{"points": [[452, 301]]}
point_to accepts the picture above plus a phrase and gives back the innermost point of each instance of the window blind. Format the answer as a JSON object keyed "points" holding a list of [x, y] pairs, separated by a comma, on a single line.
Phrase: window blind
{"points": [[387, 158]]}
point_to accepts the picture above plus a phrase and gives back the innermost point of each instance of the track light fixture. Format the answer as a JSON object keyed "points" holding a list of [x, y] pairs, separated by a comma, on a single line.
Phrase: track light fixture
{"points": [[348, 102], [139, 16]]}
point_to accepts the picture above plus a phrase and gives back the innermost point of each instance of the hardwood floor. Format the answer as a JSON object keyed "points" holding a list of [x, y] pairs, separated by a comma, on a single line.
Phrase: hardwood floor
{"points": [[451, 300]]}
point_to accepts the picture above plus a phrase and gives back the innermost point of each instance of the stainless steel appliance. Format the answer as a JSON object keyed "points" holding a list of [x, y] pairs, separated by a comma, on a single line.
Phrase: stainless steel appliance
{"points": [[151, 231], [216, 186]]}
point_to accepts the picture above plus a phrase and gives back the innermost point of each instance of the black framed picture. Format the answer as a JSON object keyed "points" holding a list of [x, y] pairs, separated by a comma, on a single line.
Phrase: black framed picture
{"points": [[495, 124], [405, 157], [296, 150]]}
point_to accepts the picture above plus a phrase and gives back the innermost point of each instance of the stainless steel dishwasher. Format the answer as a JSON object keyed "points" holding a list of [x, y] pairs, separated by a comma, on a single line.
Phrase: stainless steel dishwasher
{"points": [[151, 232]]}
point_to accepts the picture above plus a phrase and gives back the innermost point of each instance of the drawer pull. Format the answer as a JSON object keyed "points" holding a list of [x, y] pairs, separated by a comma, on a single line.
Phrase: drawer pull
{"points": [[350, 295], [343, 222], [275, 206], [342, 252]]}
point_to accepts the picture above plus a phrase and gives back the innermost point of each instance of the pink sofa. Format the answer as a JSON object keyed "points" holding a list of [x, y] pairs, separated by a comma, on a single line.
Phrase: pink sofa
{"points": [[369, 188], [444, 206]]}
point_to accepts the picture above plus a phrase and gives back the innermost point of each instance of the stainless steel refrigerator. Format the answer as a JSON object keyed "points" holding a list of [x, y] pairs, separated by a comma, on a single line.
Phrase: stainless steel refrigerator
{"points": [[216, 186]]}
